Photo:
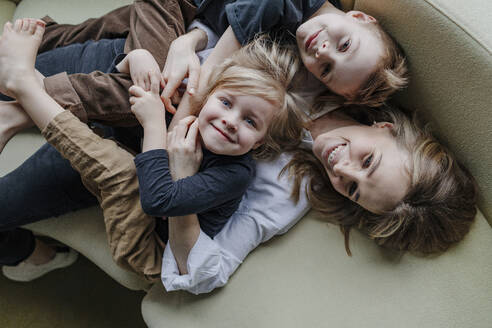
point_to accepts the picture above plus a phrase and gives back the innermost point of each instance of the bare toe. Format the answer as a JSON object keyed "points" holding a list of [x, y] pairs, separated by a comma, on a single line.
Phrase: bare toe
{"points": [[39, 26], [26, 24], [8, 26], [18, 25]]}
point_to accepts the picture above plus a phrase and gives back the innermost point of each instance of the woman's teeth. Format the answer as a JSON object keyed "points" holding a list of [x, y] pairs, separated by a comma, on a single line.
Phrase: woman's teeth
{"points": [[333, 153]]}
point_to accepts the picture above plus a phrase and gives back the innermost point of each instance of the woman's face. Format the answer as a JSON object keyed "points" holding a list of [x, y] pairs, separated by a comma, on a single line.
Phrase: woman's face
{"points": [[365, 164], [340, 50]]}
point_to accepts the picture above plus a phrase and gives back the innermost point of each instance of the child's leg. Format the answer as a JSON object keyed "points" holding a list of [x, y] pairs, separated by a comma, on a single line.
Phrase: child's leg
{"points": [[108, 169], [12, 120], [109, 173]]}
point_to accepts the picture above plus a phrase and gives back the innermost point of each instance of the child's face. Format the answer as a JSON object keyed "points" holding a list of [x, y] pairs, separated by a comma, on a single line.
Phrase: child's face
{"points": [[340, 50], [365, 164], [232, 123]]}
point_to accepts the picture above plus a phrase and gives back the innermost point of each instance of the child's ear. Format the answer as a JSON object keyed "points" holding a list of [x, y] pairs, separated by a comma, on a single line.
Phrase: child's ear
{"points": [[359, 15]]}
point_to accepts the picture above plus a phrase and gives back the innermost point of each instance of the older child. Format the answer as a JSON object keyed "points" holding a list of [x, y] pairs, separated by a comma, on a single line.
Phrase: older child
{"points": [[244, 97]]}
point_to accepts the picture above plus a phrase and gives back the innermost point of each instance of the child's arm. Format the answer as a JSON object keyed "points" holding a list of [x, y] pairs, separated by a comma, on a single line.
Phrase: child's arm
{"points": [[149, 110], [169, 188], [142, 67], [226, 46]]}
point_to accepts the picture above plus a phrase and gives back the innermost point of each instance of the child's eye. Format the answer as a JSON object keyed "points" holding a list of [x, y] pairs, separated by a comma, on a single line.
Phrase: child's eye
{"points": [[326, 70], [250, 122], [344, 47], [367, 162], [352, 188], [226, 102]]}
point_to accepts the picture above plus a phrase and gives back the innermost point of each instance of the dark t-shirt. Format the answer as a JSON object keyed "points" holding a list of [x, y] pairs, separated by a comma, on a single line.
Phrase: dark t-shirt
{"points": [[214, 193], [249, 17]]}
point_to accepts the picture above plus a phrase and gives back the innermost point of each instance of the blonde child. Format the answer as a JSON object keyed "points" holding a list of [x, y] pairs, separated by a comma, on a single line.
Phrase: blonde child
{"points": [[245, 96]]}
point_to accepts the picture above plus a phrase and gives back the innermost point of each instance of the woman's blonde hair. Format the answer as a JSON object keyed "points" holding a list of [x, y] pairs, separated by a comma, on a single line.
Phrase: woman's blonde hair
{"points": [[437, 210], [265, 69], [390, 76]]}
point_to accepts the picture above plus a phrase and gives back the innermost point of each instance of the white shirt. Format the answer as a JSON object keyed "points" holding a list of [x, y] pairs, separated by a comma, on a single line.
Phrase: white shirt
{"points": [[266, 210]]}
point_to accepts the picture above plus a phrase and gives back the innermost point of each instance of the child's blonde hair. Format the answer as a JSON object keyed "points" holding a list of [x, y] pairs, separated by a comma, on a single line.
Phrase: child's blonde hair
{"points": [[265, 69], [390, 76], [437, 210]]}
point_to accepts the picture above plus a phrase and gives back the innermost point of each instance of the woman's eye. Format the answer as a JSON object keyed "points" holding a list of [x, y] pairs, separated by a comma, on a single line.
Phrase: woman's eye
{"points": [[250, 122], [367, 162], [352, 189], [326, 70], [344, 47], [226, 102]]}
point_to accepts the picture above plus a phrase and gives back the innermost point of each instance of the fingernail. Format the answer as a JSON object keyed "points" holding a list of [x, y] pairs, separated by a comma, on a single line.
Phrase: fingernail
{"points": [[191, 91]]}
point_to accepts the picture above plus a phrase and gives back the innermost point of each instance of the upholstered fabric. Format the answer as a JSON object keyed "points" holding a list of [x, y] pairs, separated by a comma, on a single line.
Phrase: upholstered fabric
{"points": [[448, 44], [305, 278]]}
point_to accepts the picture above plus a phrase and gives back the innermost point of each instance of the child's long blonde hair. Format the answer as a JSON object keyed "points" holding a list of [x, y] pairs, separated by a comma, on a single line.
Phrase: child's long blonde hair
{"points": [[437, 210], [265, 69]]}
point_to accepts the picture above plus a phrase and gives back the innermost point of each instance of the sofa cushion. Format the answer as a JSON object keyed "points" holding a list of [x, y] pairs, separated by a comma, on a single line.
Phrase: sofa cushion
{"points": [[305, 279], [7, 9], [448, 44]]}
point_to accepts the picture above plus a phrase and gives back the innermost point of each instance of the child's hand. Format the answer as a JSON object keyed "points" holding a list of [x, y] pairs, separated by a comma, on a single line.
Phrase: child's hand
{"points": [[181, 62], [147, 106], [184, 148], [144, 70]]}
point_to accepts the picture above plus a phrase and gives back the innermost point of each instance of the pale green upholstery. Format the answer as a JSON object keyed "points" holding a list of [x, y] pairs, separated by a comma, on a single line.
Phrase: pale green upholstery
{"points": [[305, 278]]}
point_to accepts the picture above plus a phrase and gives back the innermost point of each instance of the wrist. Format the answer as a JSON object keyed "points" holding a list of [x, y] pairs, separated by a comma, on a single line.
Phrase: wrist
{"points": [[198, 39]]}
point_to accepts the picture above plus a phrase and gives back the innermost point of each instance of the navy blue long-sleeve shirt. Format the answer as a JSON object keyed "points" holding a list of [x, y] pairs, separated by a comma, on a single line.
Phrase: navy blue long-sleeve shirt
{"points": [[249, 17], [213, 193]]}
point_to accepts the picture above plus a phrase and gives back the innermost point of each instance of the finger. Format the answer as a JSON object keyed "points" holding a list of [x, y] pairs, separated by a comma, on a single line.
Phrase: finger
{"points": [[136, 91], [154, 83], [168, 105], [175, 98], [193, 79], [146, 83], [192, 133], [171, 86], [181, 129], [132, 100]]}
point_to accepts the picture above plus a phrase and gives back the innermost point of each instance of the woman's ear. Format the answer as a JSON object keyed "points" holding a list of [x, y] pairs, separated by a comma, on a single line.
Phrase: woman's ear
{"points": [[359, 15], [383, 125]]}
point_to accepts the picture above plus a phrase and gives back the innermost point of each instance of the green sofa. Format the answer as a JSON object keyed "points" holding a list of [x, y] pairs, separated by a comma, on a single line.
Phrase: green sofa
{"points": [[305, 278]]}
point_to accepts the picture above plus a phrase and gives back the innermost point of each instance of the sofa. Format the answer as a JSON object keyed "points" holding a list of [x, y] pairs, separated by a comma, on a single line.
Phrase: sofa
{"points": [[305, 278]]}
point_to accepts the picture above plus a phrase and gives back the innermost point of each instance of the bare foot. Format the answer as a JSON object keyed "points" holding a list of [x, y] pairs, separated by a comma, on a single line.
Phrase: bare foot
{"points": [[19, 44], [13, 119]]}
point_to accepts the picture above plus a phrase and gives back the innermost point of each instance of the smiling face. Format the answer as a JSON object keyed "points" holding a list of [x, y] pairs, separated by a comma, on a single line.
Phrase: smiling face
{"points": [[232, 123], [341, 50], [365, 164]]}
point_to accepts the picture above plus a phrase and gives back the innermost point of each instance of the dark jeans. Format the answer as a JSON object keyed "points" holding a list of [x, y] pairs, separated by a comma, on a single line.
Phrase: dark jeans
{"points": [[45, 185]]}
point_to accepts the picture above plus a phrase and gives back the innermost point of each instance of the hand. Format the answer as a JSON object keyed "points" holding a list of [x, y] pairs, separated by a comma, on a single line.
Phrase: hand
{"points": [[144, 70], [181, 62], [147, 106], [184, 148]]}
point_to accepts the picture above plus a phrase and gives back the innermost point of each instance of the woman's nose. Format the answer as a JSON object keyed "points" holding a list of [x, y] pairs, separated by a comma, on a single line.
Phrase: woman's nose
{"points": [[322, 49], [344, 169]]}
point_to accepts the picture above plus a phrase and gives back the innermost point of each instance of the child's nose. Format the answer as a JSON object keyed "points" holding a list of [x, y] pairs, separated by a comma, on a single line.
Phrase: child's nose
{"points": [[230, 124]]}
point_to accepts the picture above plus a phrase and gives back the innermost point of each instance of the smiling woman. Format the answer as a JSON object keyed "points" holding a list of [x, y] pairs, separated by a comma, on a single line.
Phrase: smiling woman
{"points": [[391, 179]]}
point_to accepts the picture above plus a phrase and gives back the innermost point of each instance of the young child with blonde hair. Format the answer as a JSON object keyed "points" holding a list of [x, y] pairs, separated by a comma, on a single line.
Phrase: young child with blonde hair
{"points": [[176, 175]]}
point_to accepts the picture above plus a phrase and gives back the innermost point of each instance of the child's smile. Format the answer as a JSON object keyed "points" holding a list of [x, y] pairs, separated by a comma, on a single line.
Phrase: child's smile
{"points": [[232, 123]]}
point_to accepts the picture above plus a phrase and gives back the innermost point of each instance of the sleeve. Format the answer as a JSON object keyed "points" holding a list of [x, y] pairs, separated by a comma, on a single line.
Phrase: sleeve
{"points": [[161, 196], [266, 210], [149, 24], [96, 96], [112, 25], [247, 17]]}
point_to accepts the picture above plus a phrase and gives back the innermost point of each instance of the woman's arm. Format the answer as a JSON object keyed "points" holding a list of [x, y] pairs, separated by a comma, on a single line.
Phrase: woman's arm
{"points": [[265, 211]]}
